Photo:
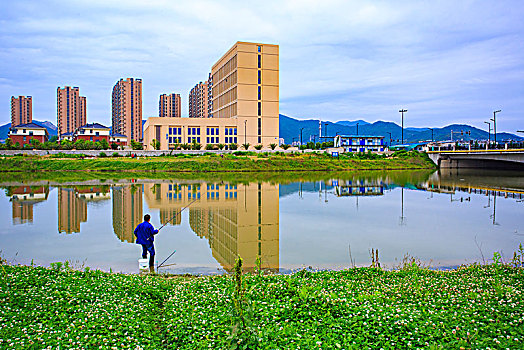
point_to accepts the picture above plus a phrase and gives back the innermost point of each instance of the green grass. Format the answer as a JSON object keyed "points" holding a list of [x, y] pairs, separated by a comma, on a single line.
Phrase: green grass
{"points": [[242, 161], [362, 308]]}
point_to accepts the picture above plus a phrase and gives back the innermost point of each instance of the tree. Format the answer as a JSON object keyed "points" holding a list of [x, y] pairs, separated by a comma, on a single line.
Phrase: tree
{"points": [[53, 138], [35, 143], [245, 146], [9, 144], [155, 144], [137, 146], [195, 145], [273, 146], [114, 146], [104, 144]]}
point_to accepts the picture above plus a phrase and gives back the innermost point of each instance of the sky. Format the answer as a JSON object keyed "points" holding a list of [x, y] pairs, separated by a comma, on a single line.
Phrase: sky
{"points": [[445, 62]]}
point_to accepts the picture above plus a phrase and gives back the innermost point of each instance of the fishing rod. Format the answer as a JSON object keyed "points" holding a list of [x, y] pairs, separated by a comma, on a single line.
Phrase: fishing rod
{"points": [[177, 213], [174, 216]]}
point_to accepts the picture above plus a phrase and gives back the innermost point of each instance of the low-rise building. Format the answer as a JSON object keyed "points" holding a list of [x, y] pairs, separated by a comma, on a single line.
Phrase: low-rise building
{"points": [[118, 139], [93, 132], [68, 136], [360, 143], [24, 133]]}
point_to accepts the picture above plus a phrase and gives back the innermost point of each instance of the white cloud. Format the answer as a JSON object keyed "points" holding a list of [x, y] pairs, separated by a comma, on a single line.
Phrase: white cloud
{"points": [[338, 59]]}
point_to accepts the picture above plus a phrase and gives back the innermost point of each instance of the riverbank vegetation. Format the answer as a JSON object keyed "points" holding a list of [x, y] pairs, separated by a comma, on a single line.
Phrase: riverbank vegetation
{"points": [[478, 306], [207, 162]]}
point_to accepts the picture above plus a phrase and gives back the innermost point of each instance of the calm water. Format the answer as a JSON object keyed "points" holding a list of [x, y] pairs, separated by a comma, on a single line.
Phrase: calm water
{"points": [[444, 219]]}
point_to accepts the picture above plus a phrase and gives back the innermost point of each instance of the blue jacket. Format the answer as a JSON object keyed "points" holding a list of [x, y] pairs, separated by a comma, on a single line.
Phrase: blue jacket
{"points": [[144, 233]]}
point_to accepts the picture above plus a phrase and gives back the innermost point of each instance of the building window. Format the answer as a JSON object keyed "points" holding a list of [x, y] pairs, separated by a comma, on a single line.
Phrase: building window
{"points": [[259, 49], [259, 109], [259, 61], [260, 92], [259, 77]]}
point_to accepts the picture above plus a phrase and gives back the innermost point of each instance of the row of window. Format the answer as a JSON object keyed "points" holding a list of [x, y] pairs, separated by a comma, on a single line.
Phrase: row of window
{"points": [[193, 131], [231, 131], [175, 131], [212, 131], [175, 139], [212, 140], [231, 140]]}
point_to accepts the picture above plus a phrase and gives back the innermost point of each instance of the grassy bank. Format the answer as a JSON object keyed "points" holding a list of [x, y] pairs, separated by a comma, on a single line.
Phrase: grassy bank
{"points": [[471, 307], [240, 162]]}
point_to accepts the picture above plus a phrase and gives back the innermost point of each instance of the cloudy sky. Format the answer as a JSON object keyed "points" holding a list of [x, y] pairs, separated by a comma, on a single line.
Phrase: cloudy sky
{"points": [[445, 61]]}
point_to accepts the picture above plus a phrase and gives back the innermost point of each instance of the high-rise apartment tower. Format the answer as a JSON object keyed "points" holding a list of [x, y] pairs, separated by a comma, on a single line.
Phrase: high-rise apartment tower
{"points": [[127, 108], [169, 106], [21, 110], [70, 109], [198, 101]]}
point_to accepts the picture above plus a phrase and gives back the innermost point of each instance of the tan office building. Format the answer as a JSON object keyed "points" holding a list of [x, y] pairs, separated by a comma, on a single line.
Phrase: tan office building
{"points": [[170, 106], [21, 110], [245, 103], [198, 101], [127, 109], [70, 109]]}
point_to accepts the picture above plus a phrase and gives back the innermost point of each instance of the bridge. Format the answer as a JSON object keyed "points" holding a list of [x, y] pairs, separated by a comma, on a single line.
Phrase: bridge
{"points": [[487, 159]]}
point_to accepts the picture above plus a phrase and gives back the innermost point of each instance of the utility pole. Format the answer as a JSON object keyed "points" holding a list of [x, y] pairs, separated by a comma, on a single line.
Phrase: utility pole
{"points": [[489, 132], [325, 130], [431, 134], [357, 129], [301, 136], [402, 112], [495, 126], [390, 139], [245, 131]]}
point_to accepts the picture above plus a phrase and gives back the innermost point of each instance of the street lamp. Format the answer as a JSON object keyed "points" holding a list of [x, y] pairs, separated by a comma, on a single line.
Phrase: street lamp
{"points": [[325, 129], [402, 112], [489, 132], [495, 126], [301, 136], [431, 134], [245, 131]]}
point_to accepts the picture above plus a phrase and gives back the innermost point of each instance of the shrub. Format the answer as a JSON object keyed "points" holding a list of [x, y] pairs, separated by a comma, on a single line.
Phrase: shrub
{"points": [[135, 145], [104, 144], [221, 146], [102, 155], [273, 146], [258, 147], [285, 146], [246, 146], [209, 147], [233, 146], [114, 146], [115, 154], [195, 145]]}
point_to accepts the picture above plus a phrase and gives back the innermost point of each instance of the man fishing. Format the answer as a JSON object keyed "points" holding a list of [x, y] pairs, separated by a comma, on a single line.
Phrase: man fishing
{"points": [[144, 233]]}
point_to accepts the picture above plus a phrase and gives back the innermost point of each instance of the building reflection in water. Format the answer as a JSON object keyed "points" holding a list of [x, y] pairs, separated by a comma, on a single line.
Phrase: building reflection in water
{"points": [[236, 220], [127, 210], [72, 205], [23, 199], [358, 187]]}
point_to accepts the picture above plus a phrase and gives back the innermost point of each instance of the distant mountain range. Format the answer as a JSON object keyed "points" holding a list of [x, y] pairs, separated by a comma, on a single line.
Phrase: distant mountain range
{"points": [[290, 131], [51, 128]]}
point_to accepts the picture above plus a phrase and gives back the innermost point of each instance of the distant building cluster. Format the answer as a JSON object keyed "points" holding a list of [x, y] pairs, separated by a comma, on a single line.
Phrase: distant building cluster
{"points": [[238, 104]]}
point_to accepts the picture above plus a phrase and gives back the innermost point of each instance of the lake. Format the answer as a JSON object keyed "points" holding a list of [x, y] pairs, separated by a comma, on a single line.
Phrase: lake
{"points": [[291, 221]]}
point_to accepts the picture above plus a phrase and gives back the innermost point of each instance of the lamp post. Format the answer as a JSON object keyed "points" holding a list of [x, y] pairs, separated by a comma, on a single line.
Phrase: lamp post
{"points": [[495, 126], [245, 131], [325, 129], [301, 136], [402, 112], [489, 132], [431, 134]]}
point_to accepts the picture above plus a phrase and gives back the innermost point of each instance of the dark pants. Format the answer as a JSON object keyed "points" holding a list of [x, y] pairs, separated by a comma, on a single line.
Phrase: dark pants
{"points": [[151, 249]]}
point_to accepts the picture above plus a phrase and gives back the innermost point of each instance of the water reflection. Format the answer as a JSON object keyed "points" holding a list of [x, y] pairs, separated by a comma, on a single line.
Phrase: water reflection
{"points": [[318, 218], [235, 219]]}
